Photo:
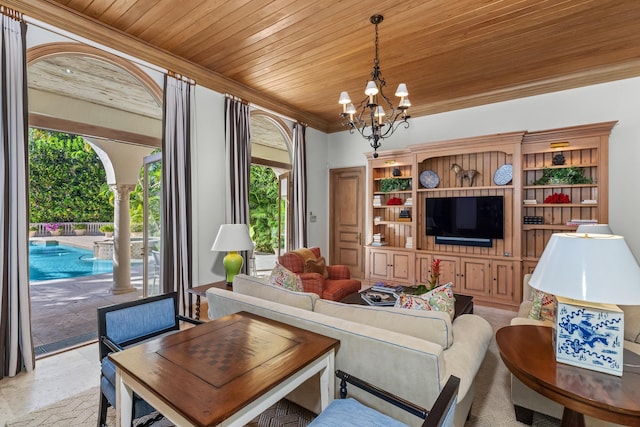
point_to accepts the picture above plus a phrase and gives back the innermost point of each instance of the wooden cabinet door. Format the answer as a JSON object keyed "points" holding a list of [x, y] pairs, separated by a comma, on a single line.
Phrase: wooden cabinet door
{"points": [[502, 280], [449, 271], [475, 276], [402, 267], [423, 268], [379, 264]]}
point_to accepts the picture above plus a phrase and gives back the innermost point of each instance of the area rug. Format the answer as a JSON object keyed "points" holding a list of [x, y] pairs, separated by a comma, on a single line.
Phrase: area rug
{"points": [[491, 407], [82, 410]]}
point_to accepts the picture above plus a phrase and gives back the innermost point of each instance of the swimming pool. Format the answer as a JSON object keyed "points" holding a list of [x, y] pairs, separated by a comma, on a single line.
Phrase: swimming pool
{"points": [[55, 261]]}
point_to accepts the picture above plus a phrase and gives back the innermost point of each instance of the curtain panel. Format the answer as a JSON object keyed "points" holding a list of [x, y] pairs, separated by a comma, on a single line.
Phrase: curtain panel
{"points": [[177, 251], [298, 198], [238, 152], [16, 344]]}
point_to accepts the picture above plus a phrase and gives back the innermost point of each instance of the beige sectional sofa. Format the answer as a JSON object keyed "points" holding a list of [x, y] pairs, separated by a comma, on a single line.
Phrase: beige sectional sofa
{"points": [[525, 399], [406, 352]]}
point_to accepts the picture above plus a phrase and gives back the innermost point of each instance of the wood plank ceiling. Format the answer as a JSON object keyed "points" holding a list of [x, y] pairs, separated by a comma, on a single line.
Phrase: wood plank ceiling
{"points": [[450, 53]]}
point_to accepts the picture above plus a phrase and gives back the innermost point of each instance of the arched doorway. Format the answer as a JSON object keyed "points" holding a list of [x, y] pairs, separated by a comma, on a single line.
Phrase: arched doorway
{"points": [[270, 175], [112, 103]]}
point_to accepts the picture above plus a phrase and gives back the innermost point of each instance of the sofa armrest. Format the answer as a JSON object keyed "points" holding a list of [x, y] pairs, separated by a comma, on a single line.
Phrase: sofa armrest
{"points": [[338, 272], [472, 336]]}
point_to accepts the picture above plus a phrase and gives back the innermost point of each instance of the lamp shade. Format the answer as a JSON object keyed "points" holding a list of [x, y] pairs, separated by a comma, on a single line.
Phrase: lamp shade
{"points": [[597, 268], [594, 229], [232, 237]]}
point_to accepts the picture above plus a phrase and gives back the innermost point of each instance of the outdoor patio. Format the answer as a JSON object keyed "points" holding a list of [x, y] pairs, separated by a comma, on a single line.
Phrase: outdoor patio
{"points": [[63, 311]]}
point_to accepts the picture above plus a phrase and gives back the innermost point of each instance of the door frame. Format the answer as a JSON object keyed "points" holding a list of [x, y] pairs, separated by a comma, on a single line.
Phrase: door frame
{"points": [[362, 170]]}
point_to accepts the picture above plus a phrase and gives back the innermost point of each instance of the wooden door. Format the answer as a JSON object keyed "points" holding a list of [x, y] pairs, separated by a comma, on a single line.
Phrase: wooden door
{"points": [[347, 218]]}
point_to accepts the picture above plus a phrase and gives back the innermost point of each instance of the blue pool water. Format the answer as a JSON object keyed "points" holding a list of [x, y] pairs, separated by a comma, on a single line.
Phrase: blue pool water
{"points": [[55, 261]]}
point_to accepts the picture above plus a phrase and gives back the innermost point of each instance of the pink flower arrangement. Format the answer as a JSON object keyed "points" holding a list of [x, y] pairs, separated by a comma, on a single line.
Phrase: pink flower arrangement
{"points": [[51, 226], [435, 273]]}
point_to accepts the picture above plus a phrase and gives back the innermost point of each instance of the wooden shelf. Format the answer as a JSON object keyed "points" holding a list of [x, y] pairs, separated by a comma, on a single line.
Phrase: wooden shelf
{"points": [[392, 222], [382, 193], [392, 177], [562, 205], [537, 187], [539, 168], [527, 227], [488, 187]]}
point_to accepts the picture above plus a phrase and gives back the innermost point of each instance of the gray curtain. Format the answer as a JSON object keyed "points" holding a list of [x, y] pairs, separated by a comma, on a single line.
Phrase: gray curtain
{"points": [[16, 345], [238, 151], [176, 272], [298, 198]]}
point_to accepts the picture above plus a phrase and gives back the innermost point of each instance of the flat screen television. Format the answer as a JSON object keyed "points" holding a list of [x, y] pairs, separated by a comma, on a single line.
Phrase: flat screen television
{"points": [[469, 221]]}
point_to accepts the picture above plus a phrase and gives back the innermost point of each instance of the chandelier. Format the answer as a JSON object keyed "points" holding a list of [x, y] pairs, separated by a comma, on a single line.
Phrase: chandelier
{"points": [[376, 118]]}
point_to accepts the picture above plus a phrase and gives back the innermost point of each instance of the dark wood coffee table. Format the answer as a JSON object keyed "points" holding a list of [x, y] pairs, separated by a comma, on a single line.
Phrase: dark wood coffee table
{"points": [[225, 371], [528, 353], [463, 305]]}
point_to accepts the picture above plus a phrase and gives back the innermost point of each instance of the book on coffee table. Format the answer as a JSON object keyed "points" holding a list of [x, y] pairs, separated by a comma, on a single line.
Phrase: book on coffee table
{"points": [[377, 298], [385, 287]]}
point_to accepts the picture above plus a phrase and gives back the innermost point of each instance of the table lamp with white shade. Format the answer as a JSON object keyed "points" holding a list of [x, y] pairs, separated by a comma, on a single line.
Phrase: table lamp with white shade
{"points": [[588, 274], [232, 238], [594, 229]]}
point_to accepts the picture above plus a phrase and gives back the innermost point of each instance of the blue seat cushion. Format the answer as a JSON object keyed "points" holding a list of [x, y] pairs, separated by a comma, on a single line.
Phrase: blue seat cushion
{"points": [[350, 412], [107, 386]]}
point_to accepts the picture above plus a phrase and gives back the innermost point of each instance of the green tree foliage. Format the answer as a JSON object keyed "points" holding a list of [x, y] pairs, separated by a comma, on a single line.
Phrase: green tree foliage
{"points": [[263, 208], [136, 202], [65, 179]]}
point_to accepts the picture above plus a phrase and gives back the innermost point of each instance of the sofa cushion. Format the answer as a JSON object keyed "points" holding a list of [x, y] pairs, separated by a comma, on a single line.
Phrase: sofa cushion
{"points": [[253, 286], [438, 299], [434, 326], [542, 306], [341, 411], [631, 322], [280, 276]]}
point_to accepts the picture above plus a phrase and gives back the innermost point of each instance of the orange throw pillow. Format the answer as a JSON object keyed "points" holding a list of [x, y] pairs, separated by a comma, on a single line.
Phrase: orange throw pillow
{"points": [[316, 266]]}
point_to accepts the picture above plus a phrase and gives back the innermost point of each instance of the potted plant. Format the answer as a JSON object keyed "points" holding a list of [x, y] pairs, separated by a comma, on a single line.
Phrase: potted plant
{"points": [[571, 175], [53, 228], [137, 229], [33, 229], [394, 184], [107, 229], [80, 229]]}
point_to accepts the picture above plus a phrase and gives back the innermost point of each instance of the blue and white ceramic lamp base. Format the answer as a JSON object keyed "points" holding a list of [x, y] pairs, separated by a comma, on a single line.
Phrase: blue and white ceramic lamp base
{"points": [[590, 336]]}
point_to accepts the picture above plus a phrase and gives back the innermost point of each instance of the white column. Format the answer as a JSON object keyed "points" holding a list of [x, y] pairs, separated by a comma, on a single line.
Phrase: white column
{"points": [[121, 239]]}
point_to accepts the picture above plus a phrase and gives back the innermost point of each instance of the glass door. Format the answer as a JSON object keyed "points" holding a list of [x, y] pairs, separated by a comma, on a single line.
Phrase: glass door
{"points": [[152, 193], [284, 183]]}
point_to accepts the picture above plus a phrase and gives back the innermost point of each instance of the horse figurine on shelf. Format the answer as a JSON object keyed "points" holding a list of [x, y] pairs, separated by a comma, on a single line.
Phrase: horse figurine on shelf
{"points": [[462, 174]]}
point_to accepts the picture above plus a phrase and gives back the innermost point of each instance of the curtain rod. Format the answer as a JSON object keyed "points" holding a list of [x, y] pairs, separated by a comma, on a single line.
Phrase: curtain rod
{"points": [[79, 39]]}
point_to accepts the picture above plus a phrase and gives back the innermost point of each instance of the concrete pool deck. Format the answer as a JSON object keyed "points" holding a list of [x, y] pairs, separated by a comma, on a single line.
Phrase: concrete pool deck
{"points": [[63, 311]]}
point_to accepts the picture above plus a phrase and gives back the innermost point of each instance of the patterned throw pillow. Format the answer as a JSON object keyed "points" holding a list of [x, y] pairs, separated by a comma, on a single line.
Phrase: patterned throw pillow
{"points": [[316, 266], [438, 299], [280, 276], [543, 305]]}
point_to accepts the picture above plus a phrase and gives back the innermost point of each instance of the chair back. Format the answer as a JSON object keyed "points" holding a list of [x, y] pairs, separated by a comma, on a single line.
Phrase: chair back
{"points": [[292, 262], [443, 410], [134, 321]]}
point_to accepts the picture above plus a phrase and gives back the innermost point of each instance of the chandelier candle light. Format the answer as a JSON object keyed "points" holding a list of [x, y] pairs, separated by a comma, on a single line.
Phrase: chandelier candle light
{"points": [[376, 118]]}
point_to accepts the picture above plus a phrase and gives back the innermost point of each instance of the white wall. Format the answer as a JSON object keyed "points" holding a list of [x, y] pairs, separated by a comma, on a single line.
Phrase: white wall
{"points": [[618, 100]]}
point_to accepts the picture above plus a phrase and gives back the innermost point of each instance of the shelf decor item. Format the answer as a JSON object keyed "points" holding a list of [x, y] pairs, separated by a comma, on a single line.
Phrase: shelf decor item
{"points": [[555, 176], [503, 175], [557, 198], [462, 174], [394, 184], [429, 179], [558, 159]]}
